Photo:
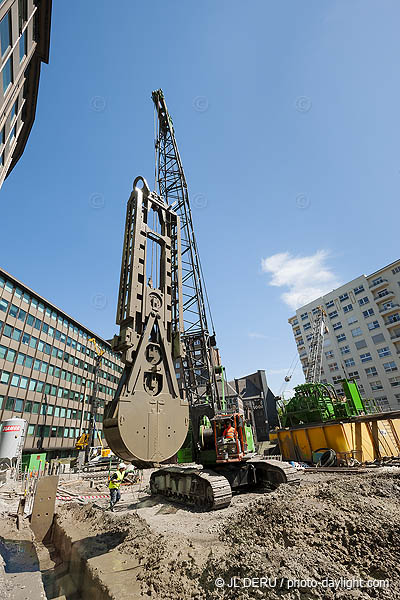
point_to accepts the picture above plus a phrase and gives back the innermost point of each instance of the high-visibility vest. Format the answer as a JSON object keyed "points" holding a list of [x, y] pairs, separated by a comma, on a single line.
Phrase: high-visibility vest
{"points": [[114, 484], [229, 433]]}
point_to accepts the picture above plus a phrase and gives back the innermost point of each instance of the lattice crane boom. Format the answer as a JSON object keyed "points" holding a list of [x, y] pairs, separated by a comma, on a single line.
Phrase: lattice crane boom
{"points": [[198, 364], [314, 368]]}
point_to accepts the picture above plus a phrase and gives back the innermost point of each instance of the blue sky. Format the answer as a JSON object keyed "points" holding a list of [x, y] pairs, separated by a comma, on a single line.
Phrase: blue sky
{"points": [[286, 115]]}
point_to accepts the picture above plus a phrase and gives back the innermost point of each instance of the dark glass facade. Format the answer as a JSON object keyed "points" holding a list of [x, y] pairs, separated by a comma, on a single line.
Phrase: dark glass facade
{"points": [[47, 369]]}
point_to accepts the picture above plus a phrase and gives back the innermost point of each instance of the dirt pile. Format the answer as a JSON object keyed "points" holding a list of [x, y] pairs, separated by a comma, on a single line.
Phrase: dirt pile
{"points": [[341, 528], [291, 543]]}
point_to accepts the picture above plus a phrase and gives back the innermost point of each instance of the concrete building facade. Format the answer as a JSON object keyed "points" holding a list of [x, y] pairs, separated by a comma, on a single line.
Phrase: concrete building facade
{"points": [[46, 369], [24, 45], [363, 338]]}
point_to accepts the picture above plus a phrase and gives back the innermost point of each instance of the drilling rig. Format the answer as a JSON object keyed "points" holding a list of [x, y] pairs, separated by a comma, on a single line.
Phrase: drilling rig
{"points": [[162, 314]]}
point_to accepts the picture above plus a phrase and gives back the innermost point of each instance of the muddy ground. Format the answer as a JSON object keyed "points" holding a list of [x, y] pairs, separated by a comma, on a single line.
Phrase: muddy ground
{"points": [[292, 543]]}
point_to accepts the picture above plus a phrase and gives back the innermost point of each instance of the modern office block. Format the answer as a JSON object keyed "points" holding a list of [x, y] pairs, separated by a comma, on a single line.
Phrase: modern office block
{"points": [[46, 369]]}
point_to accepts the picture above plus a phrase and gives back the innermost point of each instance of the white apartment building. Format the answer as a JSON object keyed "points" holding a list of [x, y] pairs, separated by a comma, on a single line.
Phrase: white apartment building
{"points": [[363, 338]]}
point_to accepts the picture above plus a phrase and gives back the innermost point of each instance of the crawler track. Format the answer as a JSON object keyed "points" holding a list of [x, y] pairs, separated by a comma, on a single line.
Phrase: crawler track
{"points": [[275, 472], [192, 486]]}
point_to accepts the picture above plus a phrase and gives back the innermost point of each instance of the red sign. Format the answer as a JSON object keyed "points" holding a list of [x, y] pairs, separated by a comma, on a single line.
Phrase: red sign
{"points": [[11, 427]]}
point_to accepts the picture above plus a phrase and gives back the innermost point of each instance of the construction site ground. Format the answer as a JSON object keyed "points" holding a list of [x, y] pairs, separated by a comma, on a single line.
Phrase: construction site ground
{"points": [[330, 537]]}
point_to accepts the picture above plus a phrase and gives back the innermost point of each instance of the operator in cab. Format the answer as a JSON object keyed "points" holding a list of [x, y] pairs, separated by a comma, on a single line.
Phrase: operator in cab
{"points": [[115, 481], [229, 433]]}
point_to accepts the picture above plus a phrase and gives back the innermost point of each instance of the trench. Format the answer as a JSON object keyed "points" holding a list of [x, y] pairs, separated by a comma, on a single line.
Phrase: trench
{"points": [[59, 564], [36, 565]]}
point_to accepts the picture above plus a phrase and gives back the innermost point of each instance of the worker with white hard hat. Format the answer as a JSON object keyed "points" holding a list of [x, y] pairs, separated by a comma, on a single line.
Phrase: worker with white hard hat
{"points": [[114, 484]]}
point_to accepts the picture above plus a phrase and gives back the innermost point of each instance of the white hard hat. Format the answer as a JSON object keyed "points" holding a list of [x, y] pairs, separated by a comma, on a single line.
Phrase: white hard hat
{"points": [[122, 466]]}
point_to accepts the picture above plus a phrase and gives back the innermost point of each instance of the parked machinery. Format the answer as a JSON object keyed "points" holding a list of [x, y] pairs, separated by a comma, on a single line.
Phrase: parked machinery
{"points": [[319, 402]]}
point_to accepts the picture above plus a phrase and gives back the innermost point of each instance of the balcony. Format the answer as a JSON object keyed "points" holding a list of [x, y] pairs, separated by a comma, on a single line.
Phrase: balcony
{"points": [[385, 297], [389, 309], [378, 283], [395, 321]]}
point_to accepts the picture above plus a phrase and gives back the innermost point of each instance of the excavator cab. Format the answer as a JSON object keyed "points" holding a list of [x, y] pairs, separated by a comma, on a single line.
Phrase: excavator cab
{"points": [[230, 446]]}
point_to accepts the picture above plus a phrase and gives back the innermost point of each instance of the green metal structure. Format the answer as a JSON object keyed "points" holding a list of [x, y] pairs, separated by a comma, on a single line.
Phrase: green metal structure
{"points": [[319, 402]]}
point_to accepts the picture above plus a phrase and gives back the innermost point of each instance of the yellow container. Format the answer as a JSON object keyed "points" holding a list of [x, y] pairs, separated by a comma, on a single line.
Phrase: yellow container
{"points": [[364, 438]]}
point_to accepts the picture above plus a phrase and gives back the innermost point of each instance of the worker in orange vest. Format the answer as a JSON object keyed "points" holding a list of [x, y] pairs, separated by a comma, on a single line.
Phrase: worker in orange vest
{"points": [[229, 433]]}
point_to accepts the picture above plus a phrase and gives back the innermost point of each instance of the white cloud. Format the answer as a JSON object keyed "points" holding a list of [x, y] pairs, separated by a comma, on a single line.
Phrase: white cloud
{"points": [[306, 277], [258, 336]]}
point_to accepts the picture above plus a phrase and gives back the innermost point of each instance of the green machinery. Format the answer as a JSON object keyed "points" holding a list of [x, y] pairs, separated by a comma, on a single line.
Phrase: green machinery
{"points": [[207, 452], [319, 402]]}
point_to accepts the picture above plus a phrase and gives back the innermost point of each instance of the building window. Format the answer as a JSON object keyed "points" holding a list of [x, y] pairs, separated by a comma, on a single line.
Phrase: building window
{"points": [[383, 293], [354, 375], [11, 355], [329, 304], [333, 367], [329, 354], [358, 289], [307, 326], [347, 308], [13, 134], [304, 316], [9, 403], [15, 380], [337, 325], [368, 313], [363, 301], [394, 381], [382, 400], [345, 350], [396, 270], [341, 337], [373, 325], [361, 344], [377, 339], [3, 305], [5, 377], [356, 332], [13, 310], [14, 110], [7, 75], [394, 318], [351, 320], [22, 46], [343, 297], [19, 404], [377, 281], [333, 314], [349, 362], [390, 366], [5, 33], [376, 385], [365, 357], [384, 352]]}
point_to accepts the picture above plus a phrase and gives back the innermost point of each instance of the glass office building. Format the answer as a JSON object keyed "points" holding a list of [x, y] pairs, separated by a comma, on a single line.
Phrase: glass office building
{"points": [[46, 369], [24, 45]]}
